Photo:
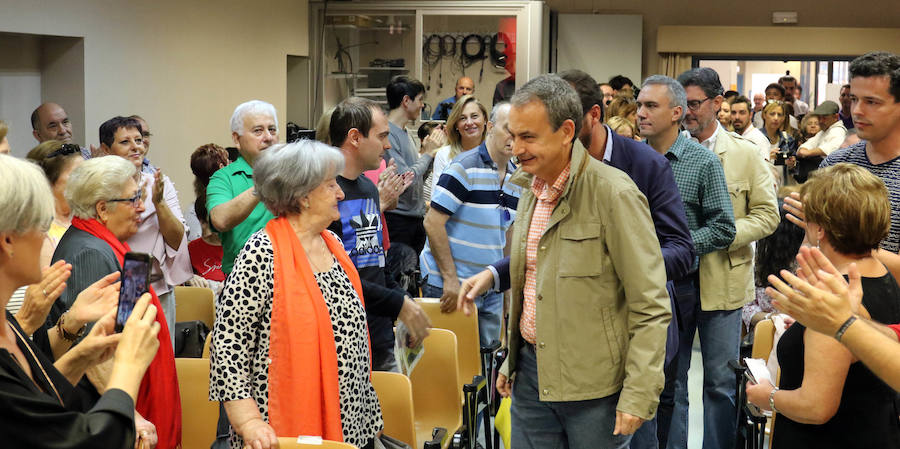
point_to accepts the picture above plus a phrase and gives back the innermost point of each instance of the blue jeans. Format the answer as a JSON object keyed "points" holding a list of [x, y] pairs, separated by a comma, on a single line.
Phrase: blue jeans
{"points": [[720, 337], [559, 425], [490, 309]]}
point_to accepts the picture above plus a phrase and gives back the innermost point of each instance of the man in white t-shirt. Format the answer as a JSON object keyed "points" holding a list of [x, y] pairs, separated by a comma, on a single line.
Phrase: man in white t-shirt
{"points": [[743, 125], [832, 134]]}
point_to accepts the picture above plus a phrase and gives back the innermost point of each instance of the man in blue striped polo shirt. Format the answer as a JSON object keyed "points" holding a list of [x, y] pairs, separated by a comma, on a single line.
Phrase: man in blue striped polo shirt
{"points": [[471, 208]]}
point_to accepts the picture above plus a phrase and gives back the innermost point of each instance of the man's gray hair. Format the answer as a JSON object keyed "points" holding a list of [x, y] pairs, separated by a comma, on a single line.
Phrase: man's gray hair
{"points": [[97, 179], [557, 96], [252, 107], [286, 173], [674, 89], [25, 196], [501, 107]]}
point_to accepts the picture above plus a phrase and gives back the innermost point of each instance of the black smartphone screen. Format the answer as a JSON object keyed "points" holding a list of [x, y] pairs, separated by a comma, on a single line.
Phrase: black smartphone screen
{"points": [[135, 280]]}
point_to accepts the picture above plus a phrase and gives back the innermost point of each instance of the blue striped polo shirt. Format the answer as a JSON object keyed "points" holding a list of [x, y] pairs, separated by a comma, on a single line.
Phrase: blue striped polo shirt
{"points": [[480, 210]]}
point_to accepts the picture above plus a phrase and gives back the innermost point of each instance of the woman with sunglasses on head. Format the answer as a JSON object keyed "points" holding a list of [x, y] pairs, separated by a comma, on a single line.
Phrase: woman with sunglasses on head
{"points": [[107, 204], [57, 160], [782, 145]]}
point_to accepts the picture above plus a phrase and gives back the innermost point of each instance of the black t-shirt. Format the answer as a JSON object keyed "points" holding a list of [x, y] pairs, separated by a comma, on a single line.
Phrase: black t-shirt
{"points": [[361, 229]]}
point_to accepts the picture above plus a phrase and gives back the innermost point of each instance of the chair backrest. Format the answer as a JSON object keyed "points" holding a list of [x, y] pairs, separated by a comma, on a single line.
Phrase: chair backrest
{"points": [[763, 338], [194, 303], [395, 395], [466, 330], [291, 443], [435, 383], [199, 415]]}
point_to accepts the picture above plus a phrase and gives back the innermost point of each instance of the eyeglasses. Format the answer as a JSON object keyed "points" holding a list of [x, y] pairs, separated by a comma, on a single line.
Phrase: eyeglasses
{"points": [[135, 201], [65, 150], [695, 104]]}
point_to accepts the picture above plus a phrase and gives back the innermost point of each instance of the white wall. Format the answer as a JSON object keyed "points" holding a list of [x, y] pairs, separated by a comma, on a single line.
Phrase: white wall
{"points": [[182, 65], [601, 45]]}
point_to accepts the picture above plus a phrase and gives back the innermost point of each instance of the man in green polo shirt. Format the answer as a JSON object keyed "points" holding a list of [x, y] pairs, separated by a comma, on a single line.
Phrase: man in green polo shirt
{"points": [[234, 211]]}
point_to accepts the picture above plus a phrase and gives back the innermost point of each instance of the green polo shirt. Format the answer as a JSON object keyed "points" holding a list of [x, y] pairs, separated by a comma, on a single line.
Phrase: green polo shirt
{"points": [[225, 184]]}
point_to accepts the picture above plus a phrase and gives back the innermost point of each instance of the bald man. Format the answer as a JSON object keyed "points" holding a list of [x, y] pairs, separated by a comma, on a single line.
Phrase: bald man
{"points": [[464, 86], [50, 122]]}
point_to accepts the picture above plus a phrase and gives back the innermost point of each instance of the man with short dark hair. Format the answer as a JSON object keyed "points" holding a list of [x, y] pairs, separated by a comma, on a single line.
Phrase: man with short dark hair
{"points": [[405, 98], [576, 385], [792, 94], [464, 86], [846, 105], [360, 129], [622, 85], [875, 99], [726, 276], [743, 125]]}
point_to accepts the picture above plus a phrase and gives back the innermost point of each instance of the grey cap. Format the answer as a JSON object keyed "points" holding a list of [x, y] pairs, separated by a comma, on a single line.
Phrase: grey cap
{"points": [[827, 107]]}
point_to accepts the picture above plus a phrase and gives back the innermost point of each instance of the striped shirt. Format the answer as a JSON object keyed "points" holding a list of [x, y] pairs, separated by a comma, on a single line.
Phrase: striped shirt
{"points": [[547, 197], [481, 209], [889, 172]]}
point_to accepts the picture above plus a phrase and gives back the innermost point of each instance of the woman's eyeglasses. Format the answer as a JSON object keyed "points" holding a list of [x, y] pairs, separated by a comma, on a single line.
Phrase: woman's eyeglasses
{"points": [[65, 150], [135, 201]]}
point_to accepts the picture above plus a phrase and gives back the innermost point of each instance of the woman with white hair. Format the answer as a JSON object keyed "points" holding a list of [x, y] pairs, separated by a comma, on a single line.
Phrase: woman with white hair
{"points": [[38, 405], [107, 204], [290, 346]]}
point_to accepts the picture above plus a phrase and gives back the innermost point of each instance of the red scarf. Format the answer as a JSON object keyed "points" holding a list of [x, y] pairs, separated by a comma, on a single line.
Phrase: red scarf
{"points": [[304, 398], [158, 399]]}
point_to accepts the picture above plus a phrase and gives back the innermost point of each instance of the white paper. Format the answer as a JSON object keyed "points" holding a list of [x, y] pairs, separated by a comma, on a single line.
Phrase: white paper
{"points": [[758, 370]]}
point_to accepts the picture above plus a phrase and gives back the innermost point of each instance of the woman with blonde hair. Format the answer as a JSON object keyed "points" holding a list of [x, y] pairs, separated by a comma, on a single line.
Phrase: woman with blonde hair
{"points": [[623, 127], [623, 106], [465, 130]]}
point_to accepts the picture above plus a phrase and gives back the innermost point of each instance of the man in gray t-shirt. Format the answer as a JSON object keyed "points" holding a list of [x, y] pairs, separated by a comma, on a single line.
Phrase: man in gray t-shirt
{"points": [[405, 98]]}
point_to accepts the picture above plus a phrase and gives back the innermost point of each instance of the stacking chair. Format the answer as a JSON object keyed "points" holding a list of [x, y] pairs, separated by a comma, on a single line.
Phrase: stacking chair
{"points": [[466, 330], [752, 424], [194, 303], [436, 399], [474, 364], [199, 416], [394, 392], [291, 443], [207, 345]]}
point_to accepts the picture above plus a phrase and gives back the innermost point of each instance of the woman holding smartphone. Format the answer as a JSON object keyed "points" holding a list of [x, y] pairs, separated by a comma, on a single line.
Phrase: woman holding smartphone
{"points": [[38, 404], [107, 204]]}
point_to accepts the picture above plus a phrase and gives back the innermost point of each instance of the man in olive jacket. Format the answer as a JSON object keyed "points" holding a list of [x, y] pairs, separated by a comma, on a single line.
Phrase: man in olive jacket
{"points": [[589, 311]]}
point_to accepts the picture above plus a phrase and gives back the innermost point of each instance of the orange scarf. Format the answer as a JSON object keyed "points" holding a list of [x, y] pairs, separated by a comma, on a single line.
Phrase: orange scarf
{"points": [[304, 397]]}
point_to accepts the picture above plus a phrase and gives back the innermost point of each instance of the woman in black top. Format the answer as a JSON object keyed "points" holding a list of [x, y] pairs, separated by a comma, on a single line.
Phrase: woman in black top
{"points": [[38, 406], [827, 398]]}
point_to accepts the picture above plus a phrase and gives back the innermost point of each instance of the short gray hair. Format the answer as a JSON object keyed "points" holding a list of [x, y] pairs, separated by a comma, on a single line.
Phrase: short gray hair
{"points": [[24, 196], [557, 96], [286, 173], [251, 107], [502, 106], [97, 179], [677, 95]]}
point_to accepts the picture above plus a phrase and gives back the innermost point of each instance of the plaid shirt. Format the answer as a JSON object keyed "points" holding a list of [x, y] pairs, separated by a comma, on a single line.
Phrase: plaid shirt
{"points": [[701, 183], [547, 197]]}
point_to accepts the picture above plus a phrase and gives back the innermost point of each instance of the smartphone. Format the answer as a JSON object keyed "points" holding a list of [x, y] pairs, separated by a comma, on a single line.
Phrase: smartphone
{"points": [[135, 282]]}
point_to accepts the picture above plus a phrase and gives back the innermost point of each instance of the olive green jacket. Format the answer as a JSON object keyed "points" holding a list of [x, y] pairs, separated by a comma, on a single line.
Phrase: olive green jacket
{"points": [[602, 307], [726, 276]]}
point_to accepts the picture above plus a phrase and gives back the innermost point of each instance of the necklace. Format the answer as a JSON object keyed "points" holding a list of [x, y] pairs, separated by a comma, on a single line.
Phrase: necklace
{"points": [[44, 372]]}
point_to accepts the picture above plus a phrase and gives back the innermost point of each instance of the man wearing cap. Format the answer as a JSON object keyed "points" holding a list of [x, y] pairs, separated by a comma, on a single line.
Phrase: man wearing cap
{"points": [[832, 134]]}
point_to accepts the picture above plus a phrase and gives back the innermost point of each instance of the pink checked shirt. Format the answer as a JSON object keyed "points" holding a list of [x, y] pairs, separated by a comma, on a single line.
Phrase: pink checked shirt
{"points": [[547, 197]]}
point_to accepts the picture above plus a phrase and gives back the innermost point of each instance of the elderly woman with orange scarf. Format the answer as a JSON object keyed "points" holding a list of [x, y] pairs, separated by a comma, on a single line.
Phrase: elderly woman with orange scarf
{"points": [[290, 348]]}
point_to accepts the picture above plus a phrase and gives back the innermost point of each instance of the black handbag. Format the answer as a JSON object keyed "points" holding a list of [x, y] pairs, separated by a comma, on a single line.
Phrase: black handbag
{"points": [[190, 336]]}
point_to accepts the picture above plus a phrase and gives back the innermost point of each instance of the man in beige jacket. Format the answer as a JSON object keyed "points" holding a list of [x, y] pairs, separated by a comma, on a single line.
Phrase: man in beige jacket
{"points": [[589, 309], [726, 276]]}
